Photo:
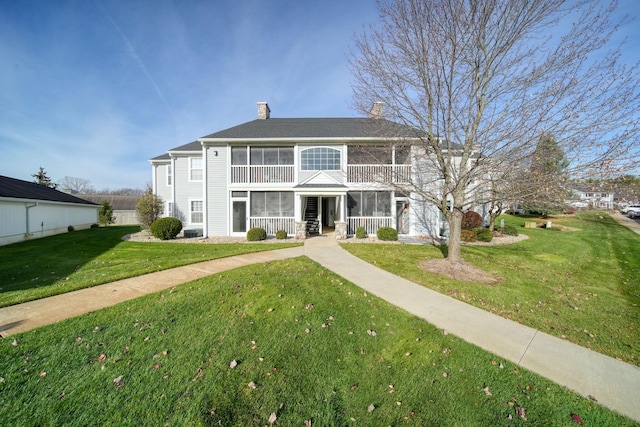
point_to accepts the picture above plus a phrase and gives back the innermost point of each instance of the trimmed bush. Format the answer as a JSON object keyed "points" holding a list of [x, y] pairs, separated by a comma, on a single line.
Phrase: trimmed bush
{"points": [[70, 228], [387, 233], [256, 234], [509, 230], [166, 228], [95, 226], [468, 236], [361, 233], [281, 234], [483, 234], [471, 220]]}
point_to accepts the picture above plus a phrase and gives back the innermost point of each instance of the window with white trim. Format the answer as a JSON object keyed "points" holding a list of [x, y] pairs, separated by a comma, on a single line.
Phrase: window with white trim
{"points": [[195, 169], [272, 204], [320, 159], [169, 175], [369, 203], [196, 212], [170, 209], [271, 156]]}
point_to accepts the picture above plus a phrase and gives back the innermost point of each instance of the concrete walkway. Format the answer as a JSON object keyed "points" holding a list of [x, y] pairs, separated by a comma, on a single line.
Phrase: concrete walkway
{"points": [[613, 383]]}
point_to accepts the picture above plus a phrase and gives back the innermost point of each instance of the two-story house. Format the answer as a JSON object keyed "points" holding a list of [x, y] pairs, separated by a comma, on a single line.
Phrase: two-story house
{"points": [[301, 175]]}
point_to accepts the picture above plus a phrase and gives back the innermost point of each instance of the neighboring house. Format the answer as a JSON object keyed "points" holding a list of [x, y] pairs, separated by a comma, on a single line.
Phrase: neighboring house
{"points": [[29, 210], [301, 175], [124, 207], [592, 198]]}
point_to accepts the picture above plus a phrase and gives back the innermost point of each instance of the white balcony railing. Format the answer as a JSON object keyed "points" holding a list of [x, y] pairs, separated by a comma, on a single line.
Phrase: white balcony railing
{"points": [[273, 224], [379, 173], [262, 174], [370, 223]]}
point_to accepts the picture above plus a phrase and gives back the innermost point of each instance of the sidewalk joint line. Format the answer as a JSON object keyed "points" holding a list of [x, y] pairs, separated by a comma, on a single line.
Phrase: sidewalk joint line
{"points": [[527, 349]]}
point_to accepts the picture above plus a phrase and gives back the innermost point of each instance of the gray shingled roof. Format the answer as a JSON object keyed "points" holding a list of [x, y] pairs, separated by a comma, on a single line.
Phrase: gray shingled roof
{"points": [[192, 146], [316, 128], [164, 156], [18, 189], [275, 128]]}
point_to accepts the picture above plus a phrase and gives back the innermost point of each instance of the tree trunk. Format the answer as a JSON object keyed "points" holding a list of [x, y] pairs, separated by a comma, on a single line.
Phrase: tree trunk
{"points": [[454, 218]]}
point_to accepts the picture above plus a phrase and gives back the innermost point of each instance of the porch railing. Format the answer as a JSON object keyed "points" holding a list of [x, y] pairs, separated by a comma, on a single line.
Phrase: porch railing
{"points": [[379, 173], [370, 223], [262, 174], [273, 224]]}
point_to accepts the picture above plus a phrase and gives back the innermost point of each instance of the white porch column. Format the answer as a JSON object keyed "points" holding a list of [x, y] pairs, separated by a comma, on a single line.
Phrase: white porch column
{"points": [[297, 207]]}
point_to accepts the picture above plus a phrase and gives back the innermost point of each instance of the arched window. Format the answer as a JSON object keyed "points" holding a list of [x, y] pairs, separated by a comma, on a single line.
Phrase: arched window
{"points": [[320, 159]]}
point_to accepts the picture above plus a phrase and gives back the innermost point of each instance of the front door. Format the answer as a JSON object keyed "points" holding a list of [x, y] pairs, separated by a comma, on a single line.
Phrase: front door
{"points": [[239, 216], [402, 216]]}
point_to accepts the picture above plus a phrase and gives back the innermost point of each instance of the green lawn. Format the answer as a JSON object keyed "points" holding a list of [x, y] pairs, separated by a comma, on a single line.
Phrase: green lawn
{"points": [[308, 347], [582, 285], [81, 259]]}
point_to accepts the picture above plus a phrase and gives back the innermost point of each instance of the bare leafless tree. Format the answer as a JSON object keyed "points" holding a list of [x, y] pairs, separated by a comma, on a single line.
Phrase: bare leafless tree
{"points": [[76, 185], [482, 80]]}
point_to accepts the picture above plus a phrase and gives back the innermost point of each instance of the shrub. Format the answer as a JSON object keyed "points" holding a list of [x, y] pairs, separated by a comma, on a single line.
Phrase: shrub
{"points": [[509, 230], [149, 208], [255, 234], [166, 228], [70, 228], [281, 234], [387, 233], [483, 234], [361, 233], [467, 236], [95, 226], [471, 220]]}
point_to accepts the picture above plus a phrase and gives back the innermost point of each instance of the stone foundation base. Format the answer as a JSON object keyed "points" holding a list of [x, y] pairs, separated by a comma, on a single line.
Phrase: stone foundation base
{"points": [[341, 230], [301, 230]]}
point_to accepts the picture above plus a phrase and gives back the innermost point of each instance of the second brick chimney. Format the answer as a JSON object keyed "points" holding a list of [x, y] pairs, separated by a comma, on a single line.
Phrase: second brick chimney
{"points": [[263, 111]]}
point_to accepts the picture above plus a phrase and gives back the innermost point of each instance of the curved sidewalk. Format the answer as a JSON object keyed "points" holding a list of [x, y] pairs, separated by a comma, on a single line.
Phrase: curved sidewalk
{"points": [[30, 315], [613, 383]]}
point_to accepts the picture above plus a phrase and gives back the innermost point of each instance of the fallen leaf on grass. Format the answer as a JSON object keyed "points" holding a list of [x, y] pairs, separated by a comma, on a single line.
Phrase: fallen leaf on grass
{"points": [[118, 381], [272, 418], [102, 357], [233, 364], [487, 392], [521, 413], [252, 385], [43, 374], [371, 408], [372, 333], [576, 418]]}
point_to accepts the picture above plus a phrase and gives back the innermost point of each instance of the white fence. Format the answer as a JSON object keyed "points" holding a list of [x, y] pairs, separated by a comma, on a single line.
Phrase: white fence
{"points": [[370, 224], [379, 173], [261, 174], [272, 224]]}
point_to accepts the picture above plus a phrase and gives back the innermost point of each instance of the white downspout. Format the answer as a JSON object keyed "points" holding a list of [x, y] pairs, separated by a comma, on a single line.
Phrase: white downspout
{"points": [[205, 193], [29, 207]]}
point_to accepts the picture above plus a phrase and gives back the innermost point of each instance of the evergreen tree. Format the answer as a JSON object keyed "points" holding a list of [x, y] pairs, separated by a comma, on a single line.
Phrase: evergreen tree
{"points": [[547, 178], [105, 214], [43, 179]]}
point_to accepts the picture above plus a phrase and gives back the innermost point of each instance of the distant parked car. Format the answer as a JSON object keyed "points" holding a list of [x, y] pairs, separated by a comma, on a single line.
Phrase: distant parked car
{"points": [[633, 211]]}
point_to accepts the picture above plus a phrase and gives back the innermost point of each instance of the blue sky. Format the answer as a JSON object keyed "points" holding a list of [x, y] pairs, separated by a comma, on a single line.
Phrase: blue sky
{"points": [[94, 88]]}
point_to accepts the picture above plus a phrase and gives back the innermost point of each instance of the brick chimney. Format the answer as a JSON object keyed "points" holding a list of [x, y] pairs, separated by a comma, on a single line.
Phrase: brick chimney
{"points": [[376, 110], [263, 111]]}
